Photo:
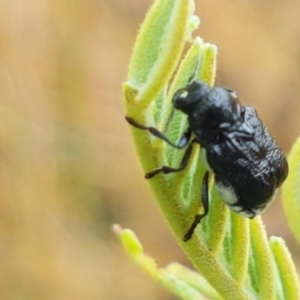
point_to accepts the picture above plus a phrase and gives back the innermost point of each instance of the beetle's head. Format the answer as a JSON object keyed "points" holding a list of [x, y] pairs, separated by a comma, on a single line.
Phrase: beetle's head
{"points": [[186, 98], [212, 110], [215, 101]]}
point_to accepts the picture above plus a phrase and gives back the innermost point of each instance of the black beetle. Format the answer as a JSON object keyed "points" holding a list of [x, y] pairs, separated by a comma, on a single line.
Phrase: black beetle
{"points": [[247, 163]]}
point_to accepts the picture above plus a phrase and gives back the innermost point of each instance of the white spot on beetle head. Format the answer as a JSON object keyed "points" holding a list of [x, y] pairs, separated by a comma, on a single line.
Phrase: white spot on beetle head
{"points": [[183, 94]]}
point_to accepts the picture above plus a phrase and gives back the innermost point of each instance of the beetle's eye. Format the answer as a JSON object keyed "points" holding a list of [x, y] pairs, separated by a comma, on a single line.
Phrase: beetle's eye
{"points": [[183, 94], [180, 100]]}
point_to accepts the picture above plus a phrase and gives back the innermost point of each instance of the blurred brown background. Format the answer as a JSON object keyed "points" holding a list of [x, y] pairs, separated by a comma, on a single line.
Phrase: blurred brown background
{"points": [[68, 167]]}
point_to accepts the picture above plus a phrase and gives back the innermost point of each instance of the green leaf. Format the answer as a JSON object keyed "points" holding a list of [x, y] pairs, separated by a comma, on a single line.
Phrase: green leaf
{"points": [[289, 279], [159, 45], [262, 276], [189, 287], [231, 253], [291, 191]]}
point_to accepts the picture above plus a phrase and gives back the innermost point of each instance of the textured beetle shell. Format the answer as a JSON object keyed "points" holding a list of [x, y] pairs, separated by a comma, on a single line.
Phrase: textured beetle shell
{"points": [[247, 162]]}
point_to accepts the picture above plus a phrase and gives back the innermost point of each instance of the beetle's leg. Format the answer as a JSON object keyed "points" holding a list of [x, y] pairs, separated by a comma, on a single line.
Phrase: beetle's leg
{"points": [[183, 140], [167, 169], [205, 202]]}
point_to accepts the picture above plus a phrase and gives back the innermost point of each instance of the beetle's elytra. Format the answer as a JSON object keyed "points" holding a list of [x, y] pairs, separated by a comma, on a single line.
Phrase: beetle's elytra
{"points": [[247, 163]]}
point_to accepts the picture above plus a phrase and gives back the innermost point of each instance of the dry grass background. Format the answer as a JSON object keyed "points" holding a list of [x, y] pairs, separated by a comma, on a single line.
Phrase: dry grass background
{"points": [[68, 170]]}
